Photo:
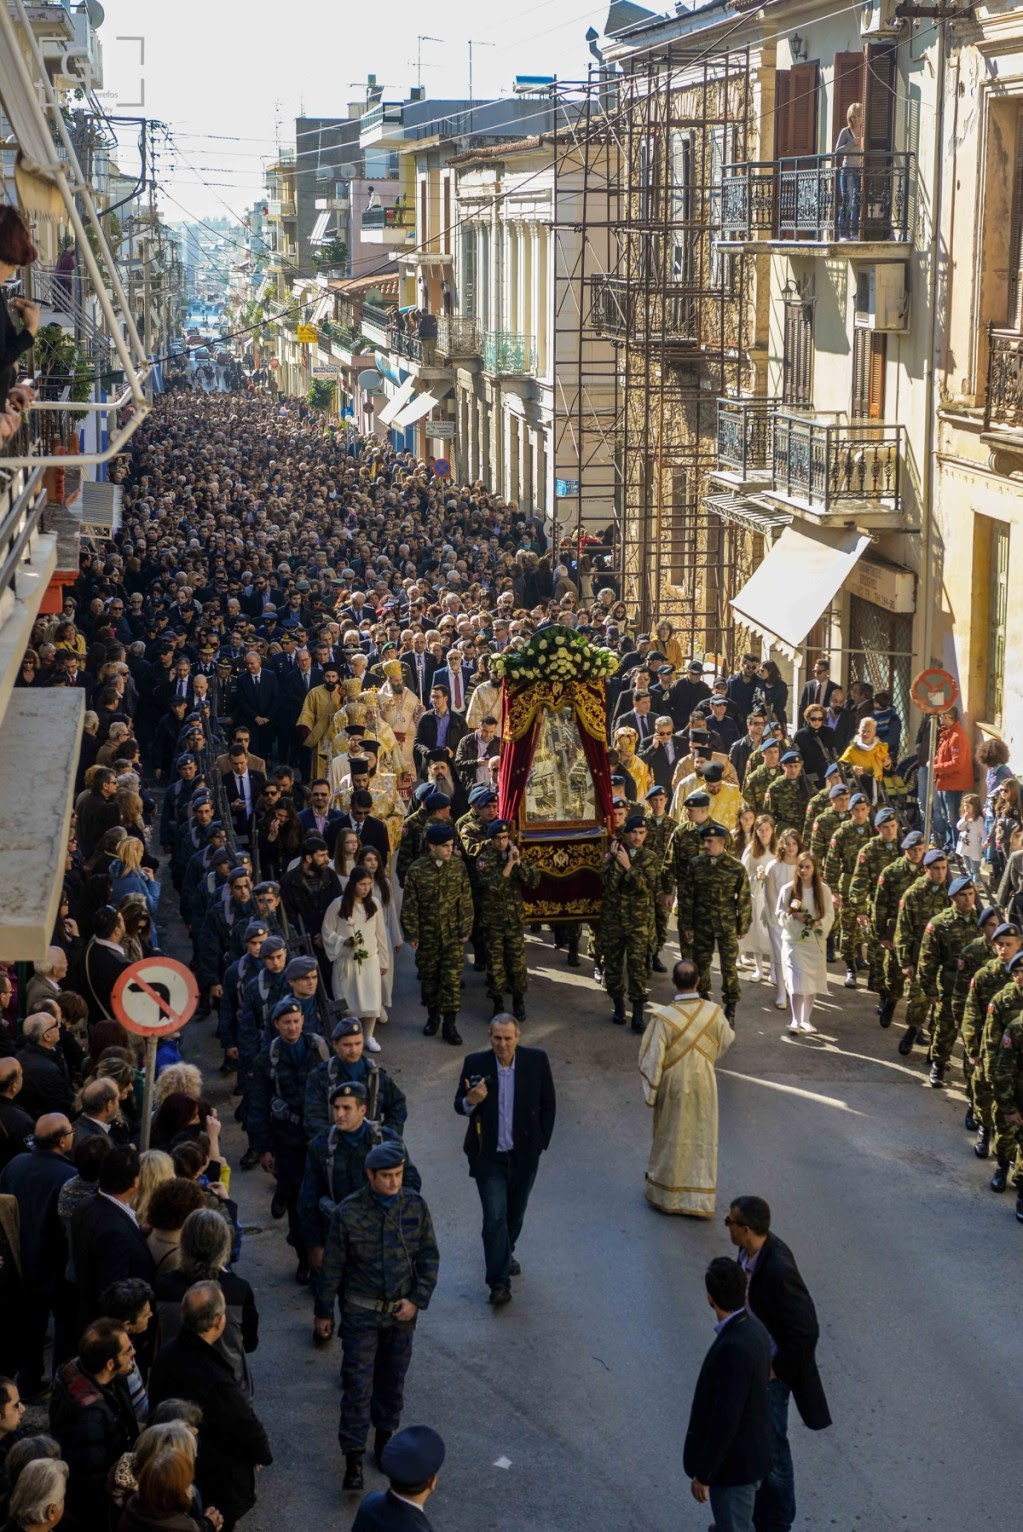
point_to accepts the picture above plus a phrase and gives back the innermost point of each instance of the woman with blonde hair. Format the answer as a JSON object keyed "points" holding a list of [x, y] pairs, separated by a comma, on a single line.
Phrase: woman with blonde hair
{"points": [[155, 1166], [177, 1078], [128, 876]]}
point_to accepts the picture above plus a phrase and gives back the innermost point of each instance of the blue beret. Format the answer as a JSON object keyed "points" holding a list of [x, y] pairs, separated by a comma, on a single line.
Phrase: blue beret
{"points": [[300, 968], [283, 1007], [256, 928], [829, 771], [439, 834], [635, 822], [413, 1455], [1014, 962], [351, 1090], [348, 1026], [481, 791], [422, 790], [791, 755], [960, 885], [619, 803], [914, 838], [268, 886], [987, 912], [1007, 928], [498, 827], [713, 828], [386, 1156], [188, 759], [698, 800], [220, 858], [838, 789], [931, 857], [437, 801], [271, 945], [653, 791], [883, 816], [237, 872], [855, 799]]}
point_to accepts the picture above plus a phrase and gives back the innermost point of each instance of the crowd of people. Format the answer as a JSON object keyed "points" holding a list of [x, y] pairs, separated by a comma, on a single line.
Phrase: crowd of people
{"points": [[291, 754]]}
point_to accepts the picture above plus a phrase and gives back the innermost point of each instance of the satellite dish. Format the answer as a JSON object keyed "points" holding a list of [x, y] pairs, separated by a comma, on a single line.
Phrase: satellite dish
{"points": [[370, 381], [95, 12]]}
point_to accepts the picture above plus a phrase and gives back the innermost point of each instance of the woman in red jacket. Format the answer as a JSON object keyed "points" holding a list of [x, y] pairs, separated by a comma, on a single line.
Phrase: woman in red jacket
{"points": [[953, 776]]}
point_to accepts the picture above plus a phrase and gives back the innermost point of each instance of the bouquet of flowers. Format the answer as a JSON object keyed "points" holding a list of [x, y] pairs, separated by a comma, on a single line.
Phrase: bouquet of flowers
{"points": [[555, 653], [798, 912], [360, 952]]}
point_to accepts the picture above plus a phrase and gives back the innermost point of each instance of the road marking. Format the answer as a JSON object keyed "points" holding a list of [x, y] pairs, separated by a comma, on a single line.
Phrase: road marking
{"points": [[503, 1463], [794, 1090]]}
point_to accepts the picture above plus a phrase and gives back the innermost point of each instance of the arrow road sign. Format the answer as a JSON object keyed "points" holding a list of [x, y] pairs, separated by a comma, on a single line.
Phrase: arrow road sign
{"points": [[155, 996]]}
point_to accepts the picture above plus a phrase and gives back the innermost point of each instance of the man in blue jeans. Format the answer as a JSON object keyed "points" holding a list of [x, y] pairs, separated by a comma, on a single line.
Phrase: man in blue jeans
{"points": [[777, 1295]]}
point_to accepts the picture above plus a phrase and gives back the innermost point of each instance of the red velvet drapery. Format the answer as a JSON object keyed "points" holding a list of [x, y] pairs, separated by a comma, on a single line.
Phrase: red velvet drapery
{"points": [[587, 701]]}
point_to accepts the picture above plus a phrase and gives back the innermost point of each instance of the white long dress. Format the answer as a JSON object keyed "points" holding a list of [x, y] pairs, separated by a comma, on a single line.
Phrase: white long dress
{"points": [[676, 1061], [359, 984], [757, 939], [395, 940], [779, 876], [804, 958]]}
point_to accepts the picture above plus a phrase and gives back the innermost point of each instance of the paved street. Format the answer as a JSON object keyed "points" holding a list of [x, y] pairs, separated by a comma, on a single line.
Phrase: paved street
{"points": [[566, 1410]]}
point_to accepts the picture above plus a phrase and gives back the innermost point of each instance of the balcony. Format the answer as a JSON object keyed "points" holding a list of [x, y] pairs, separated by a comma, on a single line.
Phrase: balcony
{"points": [[802, 201], [745, 436], [849, 472], [1003, 409], [281, 207], [625, 308], [506, 353], [377, 317], [399, 340], [388, 225], [457, 336]]}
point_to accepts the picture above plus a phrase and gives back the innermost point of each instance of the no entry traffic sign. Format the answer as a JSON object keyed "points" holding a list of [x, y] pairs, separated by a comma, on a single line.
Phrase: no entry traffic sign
{"points": [[934, 690], [155, 996]]}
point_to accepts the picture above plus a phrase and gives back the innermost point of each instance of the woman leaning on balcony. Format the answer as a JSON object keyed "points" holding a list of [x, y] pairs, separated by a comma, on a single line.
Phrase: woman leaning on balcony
{"points": [[16, 250], [849, 167]]}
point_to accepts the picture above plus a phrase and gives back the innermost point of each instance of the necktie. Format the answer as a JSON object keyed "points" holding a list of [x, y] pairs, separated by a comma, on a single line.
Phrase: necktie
{"points": [[305, 679], [456, 690], [820, 693]]}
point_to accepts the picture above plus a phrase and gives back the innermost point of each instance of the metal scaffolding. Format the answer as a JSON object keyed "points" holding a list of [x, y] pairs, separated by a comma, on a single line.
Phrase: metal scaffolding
{"points": [[648, 156]]}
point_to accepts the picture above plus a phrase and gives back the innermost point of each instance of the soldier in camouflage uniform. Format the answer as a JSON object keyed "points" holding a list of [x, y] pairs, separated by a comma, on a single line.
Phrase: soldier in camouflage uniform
{"points": [[892, 883], [825, 825], [501, 876], [984, 986], [715, 910], [759, 780], [349, 1064], [435, 808], [1007, 1084], [922, 900], [436, 919], [660, 827], [686, 845], [380, 1265], [973, 956], [787, 797], [819, 802], [1004, 1008], [879, 852], [844, 849], [471, 831], [627, 918], [944, 938]]}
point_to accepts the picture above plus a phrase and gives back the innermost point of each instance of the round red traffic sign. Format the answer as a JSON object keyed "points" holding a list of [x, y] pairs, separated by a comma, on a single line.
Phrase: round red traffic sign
{"points": [[934, 690], [441, 468], [155, 996]]}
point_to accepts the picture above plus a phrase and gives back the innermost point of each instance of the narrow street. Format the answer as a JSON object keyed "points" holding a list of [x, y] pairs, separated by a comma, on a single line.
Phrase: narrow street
{"points": [[567, 1409]]}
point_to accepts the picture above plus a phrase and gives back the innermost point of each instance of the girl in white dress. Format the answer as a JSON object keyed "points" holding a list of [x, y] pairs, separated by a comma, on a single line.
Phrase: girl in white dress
{"points": [[355, 940], [756, 859], [384, 895], [780, 873], [346, 853], [741, 837], [806, 913]]}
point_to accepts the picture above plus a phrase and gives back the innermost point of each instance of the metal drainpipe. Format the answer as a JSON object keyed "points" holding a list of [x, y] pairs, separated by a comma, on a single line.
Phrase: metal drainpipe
{"points": [[929, 593]]}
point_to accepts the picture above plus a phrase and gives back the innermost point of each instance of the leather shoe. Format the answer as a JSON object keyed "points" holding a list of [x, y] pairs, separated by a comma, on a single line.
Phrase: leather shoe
{"points": [[248, 1159], [1000, 1180], [432, 1026], [936, 1077], [278, 1205], [499, 1296], [353, 1479], [658, 966], [380, 1440], [906, 1045], [515, 1269], [981, 1147], [970, 1122]]}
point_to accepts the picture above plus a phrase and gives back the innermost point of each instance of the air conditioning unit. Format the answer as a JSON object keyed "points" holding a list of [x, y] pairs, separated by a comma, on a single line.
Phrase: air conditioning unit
{"points": [[882, 298]]}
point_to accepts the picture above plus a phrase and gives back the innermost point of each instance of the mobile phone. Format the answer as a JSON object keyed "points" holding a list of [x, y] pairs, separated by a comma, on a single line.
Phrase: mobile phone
{"points": [[475, 1080]]}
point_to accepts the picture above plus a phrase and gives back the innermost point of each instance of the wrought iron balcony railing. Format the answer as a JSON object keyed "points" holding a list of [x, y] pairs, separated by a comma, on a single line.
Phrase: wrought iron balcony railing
{"points": [[1004, 404], [388, 218], [375, 314], [457, 336], [505, 351], [822, 463], [745, 428], [813, 198], [405, 344], [630, 307]]}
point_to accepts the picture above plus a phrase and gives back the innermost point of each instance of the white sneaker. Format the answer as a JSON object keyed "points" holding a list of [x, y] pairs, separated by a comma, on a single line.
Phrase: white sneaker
{"points": [[807, 1026], [793, 1026], [372, 1046]]}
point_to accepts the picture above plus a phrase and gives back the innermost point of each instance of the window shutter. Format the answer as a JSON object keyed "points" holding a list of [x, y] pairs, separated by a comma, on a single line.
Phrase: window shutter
{"points": [[860, 373], [782, 91], [847, 88], [879, 98], [1016, 233], [802, 107], [878, 357]]}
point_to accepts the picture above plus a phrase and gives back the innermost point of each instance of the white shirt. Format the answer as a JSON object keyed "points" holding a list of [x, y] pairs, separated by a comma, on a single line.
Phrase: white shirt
{"points": [[125, 1209], [243, 785]]}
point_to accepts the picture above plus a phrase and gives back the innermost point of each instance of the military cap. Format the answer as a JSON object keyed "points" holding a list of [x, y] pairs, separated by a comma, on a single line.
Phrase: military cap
{"points": [[665, 670], [437, 801], [498, 827], [270, 612], [698, 800], [855, 799], [930, 857], [271, 945], [221, 858], [477, 793], [714, 772], [436, 755], [769, 743], [422, 790], [883, 816], [635, 822], [986, 914], [412, 1456], [256, 928], [914, 838], [439, 834], [832, 770], [284, 1007], [694, 668], [712, 828], [617, 776], [188, 759], [838, 789], [960, 885], [236, 873], [348, 1026], [717, 701], [386, 1156], [300, 968], [351, 1090], [790, 756], [268, 886], [652, 792], [1007, 928], [619, 803], [215, 827], [202, 796], [1014, 962]]}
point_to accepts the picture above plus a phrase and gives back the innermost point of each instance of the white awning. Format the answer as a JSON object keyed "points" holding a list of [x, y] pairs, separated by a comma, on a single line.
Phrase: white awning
{"points": [[421, 405], [797, 582], [318, 234], [397, 402]]}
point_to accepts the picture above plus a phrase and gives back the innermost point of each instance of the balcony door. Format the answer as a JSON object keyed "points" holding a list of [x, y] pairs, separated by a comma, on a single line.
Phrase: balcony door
{"points": [[797, 94]]}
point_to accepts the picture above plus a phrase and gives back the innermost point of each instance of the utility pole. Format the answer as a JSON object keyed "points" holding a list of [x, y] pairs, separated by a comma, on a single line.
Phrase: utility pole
{"points": [[420, 40], [475, 42]]}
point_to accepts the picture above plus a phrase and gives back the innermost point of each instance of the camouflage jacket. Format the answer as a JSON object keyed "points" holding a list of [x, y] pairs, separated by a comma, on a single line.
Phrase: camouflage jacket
{"points": [[716, 896], [377, 1252], [919, 904], [944, 938], [472, 836], [1007, 1070], [818, 805], [630, 892], [874, 857], [972, 957], [892, 883], [502, 896], [413, 843], [659, 835], [843, 852], [786, 802], [335, 1168], [437, 906], [984, 986], [684, 847], [754, 789], [824, 827], [1005, 1007]]}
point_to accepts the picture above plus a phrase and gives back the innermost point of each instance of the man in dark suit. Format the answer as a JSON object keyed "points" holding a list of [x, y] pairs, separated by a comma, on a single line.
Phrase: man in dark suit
{"points": [[411, 1460], [319, 818], [100, 1106], [455, 675], [255, 702], [371, 831], [421, 665], [439, 728], [727, 1449], [663, 752], [294, 682], [777, 1295], [243, 788], [640, 717], [106, 1241], [508, 1095], [819, 689]]}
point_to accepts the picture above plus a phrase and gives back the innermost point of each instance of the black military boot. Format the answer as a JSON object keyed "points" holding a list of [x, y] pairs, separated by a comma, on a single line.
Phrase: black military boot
{"points": [[829, 949], [497, 1001], [380, 1440], [449, 1031], [936, 1077], [1000, 1180], [573, 948], [908, 1039], [850, 978], [619, 1011], [657, 965], [638, 1024], [970, 1122], [519, 1007], [1019, 1207], [432, 1025], [729, 1010], [886, 1011], [982, 1146], [353, 1479]]}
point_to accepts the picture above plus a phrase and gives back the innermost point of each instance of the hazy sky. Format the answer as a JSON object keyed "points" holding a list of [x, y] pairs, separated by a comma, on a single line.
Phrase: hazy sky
{"points": [[229, 79]]}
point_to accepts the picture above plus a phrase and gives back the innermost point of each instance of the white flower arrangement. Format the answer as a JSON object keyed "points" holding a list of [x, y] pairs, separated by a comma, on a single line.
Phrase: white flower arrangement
{"points": [[555, 654]]}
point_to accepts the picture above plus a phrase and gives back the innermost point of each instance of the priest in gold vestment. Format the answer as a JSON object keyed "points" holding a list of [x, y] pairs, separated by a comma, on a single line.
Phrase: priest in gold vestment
{"points": [[676, 1061]]}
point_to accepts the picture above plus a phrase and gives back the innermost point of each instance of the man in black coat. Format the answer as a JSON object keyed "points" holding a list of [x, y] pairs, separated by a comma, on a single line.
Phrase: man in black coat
{"points": [[35, 1181], [319, 818], [664, 751], [15, 1123], [97, 810], [371, 831], [232, 1441], [92, 1418], [508, 1095], [777, 1295], [727, 1449], [255, 702], [46, 1085], [437, 722], [102, 963], [107, 1244], [819, 689]]}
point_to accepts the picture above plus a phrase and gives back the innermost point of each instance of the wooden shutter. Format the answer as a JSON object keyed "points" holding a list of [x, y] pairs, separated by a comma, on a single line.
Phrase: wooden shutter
{"points": [[879, 98], [847, 88], [797, 355], [878, 357], [782, 91], [870, 352], [802, 109], [1013, 315]]}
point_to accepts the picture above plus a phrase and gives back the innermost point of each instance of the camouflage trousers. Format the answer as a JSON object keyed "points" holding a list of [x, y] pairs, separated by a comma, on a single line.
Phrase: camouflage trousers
{"points": [[875, 959], [440, 975], [849, 933], [894, 978], [505, 949], [624, 962], [661, 915], [945, 1026], [725, 941], [376, 1350], [918, 1008], [990, 1114]]}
